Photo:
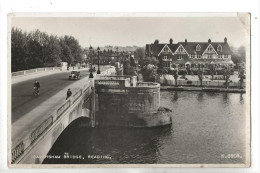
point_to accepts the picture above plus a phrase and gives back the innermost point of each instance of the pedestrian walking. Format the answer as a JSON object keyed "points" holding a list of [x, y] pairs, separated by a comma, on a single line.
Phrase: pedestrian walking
{"points": [[69, 93]]}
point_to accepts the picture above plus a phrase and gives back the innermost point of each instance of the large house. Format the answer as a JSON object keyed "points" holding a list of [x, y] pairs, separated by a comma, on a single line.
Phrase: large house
{"points": [[189, 55]]}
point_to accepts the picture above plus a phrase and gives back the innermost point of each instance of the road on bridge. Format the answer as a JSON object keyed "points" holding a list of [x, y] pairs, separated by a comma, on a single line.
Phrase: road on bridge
{"points": [[23, 100]]}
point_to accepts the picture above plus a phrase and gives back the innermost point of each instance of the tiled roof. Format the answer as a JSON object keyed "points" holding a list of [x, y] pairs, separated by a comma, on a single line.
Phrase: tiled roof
{"points": [[191, 47], [156, 48]]}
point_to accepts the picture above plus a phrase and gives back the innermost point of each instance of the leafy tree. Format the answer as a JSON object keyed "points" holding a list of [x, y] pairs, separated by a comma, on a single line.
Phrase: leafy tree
{"points": [[76, 50], [19, 51], [38, 49], [200, 74], [239, 55], [132, 62], [139, 53], [212, 71], [226, 76], [175, 76], [149, 73], [66, 55], [148, 60], [128, 69], [241, 77]]}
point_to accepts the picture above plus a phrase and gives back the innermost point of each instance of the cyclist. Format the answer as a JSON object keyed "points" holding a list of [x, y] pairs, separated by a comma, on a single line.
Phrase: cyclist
{"points": [[37, 86]]}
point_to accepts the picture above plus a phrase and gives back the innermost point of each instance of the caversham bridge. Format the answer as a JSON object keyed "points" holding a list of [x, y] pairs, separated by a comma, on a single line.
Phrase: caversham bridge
{"points": [[28, 145]]}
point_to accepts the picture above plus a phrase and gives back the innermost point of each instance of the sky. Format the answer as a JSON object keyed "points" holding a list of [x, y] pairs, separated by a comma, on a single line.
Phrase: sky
{"points": [[129, 31]]}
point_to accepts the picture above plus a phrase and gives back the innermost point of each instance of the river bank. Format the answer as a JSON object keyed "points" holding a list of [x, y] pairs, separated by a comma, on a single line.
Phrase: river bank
{"points": [[206, 89]]}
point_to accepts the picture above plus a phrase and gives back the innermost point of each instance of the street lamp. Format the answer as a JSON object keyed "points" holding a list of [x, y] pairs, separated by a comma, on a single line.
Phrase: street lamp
{"points": [[90, 51], [117, 54], [98, 72]]}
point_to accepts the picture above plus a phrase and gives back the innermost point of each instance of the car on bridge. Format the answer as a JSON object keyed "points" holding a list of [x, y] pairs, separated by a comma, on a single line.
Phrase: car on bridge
{"points": [[74, 75]]}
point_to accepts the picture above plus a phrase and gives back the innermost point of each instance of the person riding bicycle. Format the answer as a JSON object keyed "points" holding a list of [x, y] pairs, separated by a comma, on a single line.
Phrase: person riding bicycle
{"points": [[37, 86]]}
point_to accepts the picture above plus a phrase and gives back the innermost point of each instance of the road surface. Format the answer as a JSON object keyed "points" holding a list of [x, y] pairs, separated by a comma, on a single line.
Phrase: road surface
{"points": [[23, 100]]}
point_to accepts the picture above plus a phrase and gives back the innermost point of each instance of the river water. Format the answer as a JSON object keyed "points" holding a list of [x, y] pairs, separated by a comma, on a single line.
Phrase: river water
{"points": [[207, 128]]}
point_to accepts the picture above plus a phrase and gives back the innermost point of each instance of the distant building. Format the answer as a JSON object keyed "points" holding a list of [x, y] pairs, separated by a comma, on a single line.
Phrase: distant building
{"points": [[189, 55]]}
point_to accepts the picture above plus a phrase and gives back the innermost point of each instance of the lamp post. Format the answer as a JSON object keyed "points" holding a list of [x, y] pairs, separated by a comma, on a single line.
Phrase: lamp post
{"points": [[90, 51], [117, 54], [98, 72]]}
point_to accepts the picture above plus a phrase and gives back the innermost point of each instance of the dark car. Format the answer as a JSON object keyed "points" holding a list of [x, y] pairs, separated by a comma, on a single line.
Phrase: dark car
{"points": [[74, 75]]}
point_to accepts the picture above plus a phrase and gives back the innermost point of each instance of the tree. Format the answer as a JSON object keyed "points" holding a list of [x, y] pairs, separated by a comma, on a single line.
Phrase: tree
{"points": [[37, 49], [128, 69], [75, 48], [200, 74], [149, 73], [65, 55], [212, 71], [226, 75], [148, 60], [132, 62], [239, 54], [175, 76], [139, 53], [19, 50], [241, 77]]}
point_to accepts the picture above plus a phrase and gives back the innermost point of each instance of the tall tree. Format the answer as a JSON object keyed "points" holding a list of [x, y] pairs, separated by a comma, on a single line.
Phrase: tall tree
{"points": [[226, 75], [19, 50], [212, 71], [148, 60], [139, 53], [200, 73], [241, 77]]}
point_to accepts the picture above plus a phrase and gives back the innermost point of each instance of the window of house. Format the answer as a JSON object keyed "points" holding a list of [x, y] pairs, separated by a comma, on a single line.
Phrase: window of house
{"points": [[180, 57], [225, 56], [180, 49], [165, 49], [199, 56], [165, 57], [209, 56], [219, 48], [192, 56], [198, 47], [210, 49], [220, 56]]}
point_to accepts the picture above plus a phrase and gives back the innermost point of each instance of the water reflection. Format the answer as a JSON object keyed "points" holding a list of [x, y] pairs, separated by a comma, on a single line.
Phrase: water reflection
{"points": [[241, 98], [225, 98], [124, 145], [175, 96], [205, 125], [200, 96]]}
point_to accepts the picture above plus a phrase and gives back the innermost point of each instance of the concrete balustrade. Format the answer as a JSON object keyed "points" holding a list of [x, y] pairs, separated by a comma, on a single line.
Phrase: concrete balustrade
{"points": [[36, 70], [39, 130]]}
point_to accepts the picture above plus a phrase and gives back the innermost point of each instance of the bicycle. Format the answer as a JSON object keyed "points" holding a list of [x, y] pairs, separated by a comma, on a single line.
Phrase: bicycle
{"points": [[36, 91]]}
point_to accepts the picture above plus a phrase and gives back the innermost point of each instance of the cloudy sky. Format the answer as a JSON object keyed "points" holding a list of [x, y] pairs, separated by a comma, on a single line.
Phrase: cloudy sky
{"points": [[128, 31]]}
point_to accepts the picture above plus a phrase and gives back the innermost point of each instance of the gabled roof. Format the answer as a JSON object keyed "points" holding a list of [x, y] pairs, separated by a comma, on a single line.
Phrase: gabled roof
{"points": [[157, 48], [191, 47]]}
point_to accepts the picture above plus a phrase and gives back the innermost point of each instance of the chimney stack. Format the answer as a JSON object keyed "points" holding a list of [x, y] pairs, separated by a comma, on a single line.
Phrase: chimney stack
{"points": [[185, 41], [225, 39], [209, 41], [171, 40]]}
